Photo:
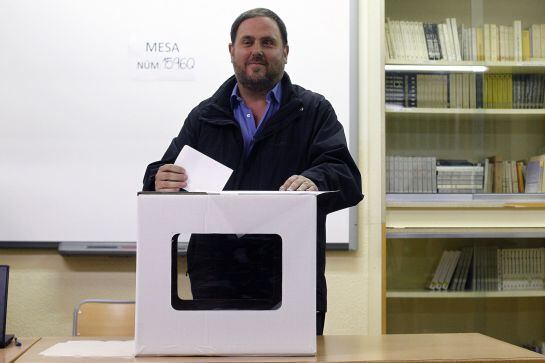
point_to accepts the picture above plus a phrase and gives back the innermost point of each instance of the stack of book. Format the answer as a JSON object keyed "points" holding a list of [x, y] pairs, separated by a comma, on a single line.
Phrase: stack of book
{"points": [[432, 90], [488, 268], [452, 271], [498, 91], [411, 174], [455, 176], [401, 89], [514, 91], [417, 89], [528, 90], [521, 268], [465, 90], [504, 176], [514, 176], [484, 272], [425, 174], [411, 40]]}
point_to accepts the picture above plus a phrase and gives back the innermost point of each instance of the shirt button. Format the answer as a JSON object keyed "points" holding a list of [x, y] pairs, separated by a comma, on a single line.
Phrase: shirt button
{"points": [[248, 115]]}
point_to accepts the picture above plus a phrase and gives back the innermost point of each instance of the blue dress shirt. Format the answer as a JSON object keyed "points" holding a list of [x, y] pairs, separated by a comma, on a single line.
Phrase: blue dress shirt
{"points": [[245, 117]]}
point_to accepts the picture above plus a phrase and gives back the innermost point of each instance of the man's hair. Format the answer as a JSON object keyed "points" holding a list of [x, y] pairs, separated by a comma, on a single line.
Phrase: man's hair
{"points": [[257, 12]]}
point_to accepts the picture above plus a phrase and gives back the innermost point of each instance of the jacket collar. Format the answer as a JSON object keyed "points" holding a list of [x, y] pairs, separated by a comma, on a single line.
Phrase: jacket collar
{"points": [[219, 110]]}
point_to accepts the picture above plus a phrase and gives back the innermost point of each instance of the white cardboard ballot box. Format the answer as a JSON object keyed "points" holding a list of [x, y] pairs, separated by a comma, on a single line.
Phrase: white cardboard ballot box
{"points": [[288, 328]]}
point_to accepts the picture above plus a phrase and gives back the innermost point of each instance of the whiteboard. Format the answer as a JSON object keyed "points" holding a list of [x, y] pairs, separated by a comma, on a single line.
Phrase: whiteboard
{"points": [[81, 116]]}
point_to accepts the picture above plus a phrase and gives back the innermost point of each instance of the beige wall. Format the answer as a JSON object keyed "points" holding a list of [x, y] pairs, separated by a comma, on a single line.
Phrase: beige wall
{"points": [[45, 287]]}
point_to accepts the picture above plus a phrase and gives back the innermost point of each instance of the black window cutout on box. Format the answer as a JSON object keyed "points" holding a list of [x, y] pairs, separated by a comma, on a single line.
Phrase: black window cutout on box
{"points": [[230, 272]]}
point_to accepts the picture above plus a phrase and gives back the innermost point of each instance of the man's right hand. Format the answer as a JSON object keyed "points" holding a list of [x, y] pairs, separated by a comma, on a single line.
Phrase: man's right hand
{"points": [[170, 178]]}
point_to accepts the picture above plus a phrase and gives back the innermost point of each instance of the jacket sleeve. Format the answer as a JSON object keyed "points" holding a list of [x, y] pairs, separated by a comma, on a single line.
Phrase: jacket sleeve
{"points": [[331, 165], [187, 136]]}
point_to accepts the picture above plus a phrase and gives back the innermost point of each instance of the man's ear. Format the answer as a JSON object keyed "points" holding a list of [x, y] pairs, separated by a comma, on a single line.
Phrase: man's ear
{"points": [[231, 50], [286, 50]]}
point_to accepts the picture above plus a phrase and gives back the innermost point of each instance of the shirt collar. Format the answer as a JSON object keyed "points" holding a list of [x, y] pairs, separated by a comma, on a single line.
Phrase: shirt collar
{"points": [[273, 95]]}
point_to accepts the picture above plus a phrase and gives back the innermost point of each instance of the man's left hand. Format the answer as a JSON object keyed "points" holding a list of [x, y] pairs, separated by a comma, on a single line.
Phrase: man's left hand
{"points": [[299, 183]]}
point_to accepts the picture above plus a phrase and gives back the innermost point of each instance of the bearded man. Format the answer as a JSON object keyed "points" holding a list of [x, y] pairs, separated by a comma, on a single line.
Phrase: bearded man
{"points": [[275, 136]]}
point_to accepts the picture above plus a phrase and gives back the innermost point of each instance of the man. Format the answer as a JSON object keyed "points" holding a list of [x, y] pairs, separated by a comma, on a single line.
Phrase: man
{"points": [[275, 136]]}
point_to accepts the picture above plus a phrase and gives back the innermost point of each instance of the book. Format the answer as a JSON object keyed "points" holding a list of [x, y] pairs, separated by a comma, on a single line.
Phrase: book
{"points": [[541, 159], [488, 180], [428, 30], [475, 261], [457, 272], [466, 268], [492, 258], [534, 174], [511, 177], [526, 45], [520, 268], [487, 42], [520, 176], [535, 36], [472, 90], [542, 40], [445, 269], [494, 42], [496, 161], [455, 256], [437, 275], [454, 31], [436, 43], [517, 31]]}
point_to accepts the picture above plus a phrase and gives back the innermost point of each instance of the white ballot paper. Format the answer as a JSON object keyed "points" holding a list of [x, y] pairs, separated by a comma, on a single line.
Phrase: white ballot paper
{"points": [[204, 174], [91, 348]]}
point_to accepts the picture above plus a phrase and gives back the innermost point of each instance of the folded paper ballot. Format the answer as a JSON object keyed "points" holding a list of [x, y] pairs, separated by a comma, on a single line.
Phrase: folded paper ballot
{"points": [[204, 173]]}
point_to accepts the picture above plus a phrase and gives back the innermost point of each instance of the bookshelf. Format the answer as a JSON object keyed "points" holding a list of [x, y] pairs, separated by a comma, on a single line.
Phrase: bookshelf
{"points": [[420, 226], [412, 255]]}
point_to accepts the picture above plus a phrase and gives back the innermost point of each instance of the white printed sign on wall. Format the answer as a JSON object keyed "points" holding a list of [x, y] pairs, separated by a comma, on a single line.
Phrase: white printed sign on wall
{"points": [[165, 58]]}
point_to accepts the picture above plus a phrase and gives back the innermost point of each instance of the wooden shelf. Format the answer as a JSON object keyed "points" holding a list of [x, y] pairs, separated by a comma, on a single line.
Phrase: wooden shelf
{"points": [[428, 294], [465, 200], [465, 211], [434, 232], [534, 66], [395, 110]]}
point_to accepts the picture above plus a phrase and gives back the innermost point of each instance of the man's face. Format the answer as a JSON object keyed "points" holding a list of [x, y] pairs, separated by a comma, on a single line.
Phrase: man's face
{"points": [[258, 54]]}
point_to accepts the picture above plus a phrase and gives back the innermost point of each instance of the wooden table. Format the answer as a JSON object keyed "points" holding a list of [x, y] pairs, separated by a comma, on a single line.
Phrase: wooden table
{"points": [[467, 347], [12, 352]]}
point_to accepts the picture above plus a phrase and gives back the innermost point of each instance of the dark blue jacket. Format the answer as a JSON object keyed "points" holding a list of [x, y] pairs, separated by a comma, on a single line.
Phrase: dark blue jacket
{"points": [[304, 137]]}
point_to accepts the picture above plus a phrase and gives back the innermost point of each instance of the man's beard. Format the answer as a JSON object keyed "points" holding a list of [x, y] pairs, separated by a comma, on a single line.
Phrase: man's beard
{"points": [[262, 83]]}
